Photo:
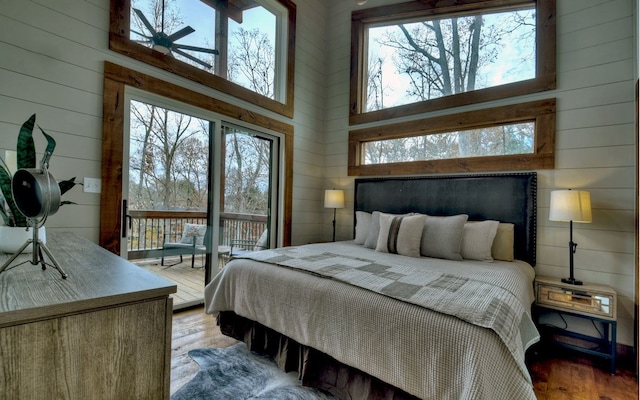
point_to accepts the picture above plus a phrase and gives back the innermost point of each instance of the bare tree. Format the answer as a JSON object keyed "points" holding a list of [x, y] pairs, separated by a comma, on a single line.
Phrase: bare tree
{"points": [[247, 169], [251, 61], [170, 156]]}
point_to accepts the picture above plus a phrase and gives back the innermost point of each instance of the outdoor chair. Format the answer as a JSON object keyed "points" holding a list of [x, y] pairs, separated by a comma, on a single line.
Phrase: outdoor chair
{"points": [[191, 242], [243, 246]]}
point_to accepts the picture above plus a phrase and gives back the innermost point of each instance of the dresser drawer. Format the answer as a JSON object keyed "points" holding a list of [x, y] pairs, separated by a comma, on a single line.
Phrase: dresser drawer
{"points": [[578, 299]]}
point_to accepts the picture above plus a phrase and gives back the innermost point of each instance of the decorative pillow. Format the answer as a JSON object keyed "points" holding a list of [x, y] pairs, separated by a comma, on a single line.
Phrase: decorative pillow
{"points": [[502, 248], [363, 224], [261, 244], [442, 237], [192, 231], [478, 239], [400, 234], [374, 229]]}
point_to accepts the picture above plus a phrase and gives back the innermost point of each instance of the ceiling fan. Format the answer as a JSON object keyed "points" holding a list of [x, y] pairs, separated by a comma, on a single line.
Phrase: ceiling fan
{"points": [[166, 44]]}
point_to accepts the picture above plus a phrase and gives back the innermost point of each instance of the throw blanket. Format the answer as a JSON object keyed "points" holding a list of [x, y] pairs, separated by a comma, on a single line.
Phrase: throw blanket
{"points": [[489, 304]]}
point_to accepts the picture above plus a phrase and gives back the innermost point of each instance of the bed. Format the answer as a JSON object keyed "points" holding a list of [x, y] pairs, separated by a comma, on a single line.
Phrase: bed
{"points": [[362, 322]]}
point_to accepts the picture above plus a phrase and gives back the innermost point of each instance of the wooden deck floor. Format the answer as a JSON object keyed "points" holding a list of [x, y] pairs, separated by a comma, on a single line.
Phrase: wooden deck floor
{"points": [[190, 281]]}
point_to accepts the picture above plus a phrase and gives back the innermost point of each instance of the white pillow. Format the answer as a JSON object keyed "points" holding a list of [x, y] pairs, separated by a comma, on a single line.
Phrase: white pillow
{"points": [[261, 244], [363, 224], [400, 234], [477, 240], [442, 237], [193, 232]]}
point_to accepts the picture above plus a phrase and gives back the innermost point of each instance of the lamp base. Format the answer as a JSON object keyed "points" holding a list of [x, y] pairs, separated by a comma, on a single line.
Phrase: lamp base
{"points": [[571, 281]]}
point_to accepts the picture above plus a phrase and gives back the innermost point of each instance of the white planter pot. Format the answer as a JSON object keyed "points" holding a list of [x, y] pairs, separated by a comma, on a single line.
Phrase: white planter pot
{"points": [[12, 238]]}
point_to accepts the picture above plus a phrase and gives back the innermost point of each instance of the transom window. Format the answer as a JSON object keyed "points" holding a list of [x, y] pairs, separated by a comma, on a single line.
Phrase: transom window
{"points": [[420, 56], [241, 47], [507, 138], [497, 140]]}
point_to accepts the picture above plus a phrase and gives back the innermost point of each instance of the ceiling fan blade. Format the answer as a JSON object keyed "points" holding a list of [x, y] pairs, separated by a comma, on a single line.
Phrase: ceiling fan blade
{"points": [[181, 33], [192, 58], [194, 48], [141, 34], [145, 21]]}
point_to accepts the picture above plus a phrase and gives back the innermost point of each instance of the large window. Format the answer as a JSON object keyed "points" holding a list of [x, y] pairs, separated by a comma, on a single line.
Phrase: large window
{"points": [[241, 47], [514, 137], [417, 57]]}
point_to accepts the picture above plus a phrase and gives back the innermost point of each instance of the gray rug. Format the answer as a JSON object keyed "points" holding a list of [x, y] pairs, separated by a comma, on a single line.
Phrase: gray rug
{"points": [[236, 373]]}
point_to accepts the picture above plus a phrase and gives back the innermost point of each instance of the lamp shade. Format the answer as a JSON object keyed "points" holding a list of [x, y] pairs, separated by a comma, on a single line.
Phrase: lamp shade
{"points": [[334, 198], [570, 205]]}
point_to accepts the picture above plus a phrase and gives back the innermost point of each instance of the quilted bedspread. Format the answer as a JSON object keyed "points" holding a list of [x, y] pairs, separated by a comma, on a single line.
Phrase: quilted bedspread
{"points": [[437, 329]]}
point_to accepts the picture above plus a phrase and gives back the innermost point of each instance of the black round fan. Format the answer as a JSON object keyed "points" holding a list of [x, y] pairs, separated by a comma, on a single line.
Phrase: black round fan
{"points": [[166, 43], [36, 194]]}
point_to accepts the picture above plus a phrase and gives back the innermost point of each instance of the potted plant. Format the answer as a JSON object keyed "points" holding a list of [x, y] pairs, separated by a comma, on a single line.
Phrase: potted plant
{"points": [[26, 158]]}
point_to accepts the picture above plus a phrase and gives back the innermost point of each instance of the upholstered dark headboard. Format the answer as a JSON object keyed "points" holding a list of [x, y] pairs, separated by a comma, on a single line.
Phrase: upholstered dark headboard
{"points": [[507, 197]]}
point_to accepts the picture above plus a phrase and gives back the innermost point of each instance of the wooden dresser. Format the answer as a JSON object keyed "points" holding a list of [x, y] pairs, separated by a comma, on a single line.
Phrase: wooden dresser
{"points": [[103, 333]]}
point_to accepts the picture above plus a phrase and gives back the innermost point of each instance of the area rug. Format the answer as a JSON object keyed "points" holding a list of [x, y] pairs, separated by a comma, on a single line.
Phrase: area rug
{"points": [[236, 373]]}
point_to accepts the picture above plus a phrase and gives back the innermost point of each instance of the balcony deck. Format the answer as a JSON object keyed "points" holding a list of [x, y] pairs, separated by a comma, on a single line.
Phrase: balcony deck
{"points": [[147, 233], [190, 281]]}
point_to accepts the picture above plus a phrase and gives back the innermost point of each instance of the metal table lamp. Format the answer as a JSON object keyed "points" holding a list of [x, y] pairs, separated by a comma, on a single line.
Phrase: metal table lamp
{"points": [[570, 206]]}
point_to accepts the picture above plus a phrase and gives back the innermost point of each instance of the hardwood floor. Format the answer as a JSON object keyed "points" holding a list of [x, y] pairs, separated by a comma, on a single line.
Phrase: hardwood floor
{"points": [[556, 375], [192, 329]]}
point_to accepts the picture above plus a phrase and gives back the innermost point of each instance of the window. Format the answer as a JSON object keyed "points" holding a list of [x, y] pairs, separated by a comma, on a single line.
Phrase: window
{"points": [[498, 140], [240, 47], [515, 137], [417, 57]]}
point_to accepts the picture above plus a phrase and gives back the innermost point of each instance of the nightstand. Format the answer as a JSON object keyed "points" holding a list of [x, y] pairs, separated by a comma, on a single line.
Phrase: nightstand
{"points": [[597, 303]]}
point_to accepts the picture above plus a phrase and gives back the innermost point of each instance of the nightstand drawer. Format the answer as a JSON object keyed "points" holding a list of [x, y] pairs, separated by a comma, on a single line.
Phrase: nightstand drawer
{"points": [[592, 300]]}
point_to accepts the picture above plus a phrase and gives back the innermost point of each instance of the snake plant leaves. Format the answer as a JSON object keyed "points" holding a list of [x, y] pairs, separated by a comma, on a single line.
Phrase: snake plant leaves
{"points": [[66, 185], [26, 148], [26, 158]]}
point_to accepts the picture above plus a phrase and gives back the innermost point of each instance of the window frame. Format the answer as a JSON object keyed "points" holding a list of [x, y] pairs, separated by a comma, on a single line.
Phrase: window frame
{"points": [[542, 113], [545, 55], [119, 30]]}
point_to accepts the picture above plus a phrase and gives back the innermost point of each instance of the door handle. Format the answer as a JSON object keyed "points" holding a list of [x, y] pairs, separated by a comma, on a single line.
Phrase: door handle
{"points": [[127, 221]]}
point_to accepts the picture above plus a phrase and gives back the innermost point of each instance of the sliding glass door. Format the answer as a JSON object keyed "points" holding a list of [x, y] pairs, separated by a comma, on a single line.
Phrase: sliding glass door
{"points": [[248, 188], [194, 186]]}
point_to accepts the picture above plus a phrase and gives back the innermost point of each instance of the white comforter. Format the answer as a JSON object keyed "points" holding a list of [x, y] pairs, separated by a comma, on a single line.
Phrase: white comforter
{"points": [[428, 354]]}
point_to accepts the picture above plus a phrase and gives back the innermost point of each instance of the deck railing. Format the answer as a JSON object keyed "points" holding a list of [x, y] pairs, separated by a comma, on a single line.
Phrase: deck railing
{"points": [[149, 229]]}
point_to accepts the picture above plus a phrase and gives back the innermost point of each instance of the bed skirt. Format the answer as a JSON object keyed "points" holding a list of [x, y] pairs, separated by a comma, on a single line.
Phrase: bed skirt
{"points": [[314, 368]]}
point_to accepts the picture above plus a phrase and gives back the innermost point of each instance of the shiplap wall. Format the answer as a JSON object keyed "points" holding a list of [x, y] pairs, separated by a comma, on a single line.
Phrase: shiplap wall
{"points": [[595, 147], [51, 64], [51, 61]]}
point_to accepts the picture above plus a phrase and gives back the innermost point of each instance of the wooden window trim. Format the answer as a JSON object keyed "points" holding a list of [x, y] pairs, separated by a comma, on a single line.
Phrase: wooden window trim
{"points": [[116, 78], [545, 61], [119, 29], [542, 112]]}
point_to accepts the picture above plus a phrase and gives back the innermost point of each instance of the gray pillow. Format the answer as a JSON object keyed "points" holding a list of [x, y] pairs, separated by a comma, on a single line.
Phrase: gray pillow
{"points": [[442, 237], [477, 240], [363, 225], [374, 230]]}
